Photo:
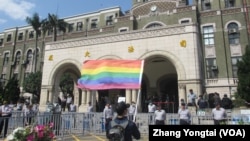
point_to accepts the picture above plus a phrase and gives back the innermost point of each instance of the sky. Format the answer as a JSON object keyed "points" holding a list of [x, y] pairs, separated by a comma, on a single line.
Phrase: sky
{"points": [[14, 12]]}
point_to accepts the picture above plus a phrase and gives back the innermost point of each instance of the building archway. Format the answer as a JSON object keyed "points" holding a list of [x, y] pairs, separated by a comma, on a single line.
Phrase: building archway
{"points": [[160, 83]]}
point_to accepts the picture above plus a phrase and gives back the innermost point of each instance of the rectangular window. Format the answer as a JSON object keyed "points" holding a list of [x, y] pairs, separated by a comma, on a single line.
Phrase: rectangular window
{"points": [[15, 76], [234, 38], [184, 21], [3, 77], [211, 68], [26, 74], [1, 42], [20, 36], [234, 65], [229, 3], [71, 27], [79, 26], [208, 35], [109, 20], [206, 4], [93, 24], [31, 34], [123, 30], [6, 58], [9, 38]]}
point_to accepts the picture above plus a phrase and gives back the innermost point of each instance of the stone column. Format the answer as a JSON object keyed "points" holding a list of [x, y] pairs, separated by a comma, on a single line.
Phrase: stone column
{"points": [[128, 96], [182, 92], [50, 96], [44, 97], [134, 95], [82, 107], [93, 101], [88, 99]]}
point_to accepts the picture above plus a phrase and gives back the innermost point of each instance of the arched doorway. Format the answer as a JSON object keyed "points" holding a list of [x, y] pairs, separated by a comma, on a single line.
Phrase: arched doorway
{"points": [[161, 84], [109, 96], [169, 92]]}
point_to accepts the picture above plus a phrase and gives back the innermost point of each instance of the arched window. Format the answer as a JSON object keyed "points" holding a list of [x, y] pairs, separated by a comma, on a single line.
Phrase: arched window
{"points": [[18, 57], [29, 57], [233, 33], [153, 25]]}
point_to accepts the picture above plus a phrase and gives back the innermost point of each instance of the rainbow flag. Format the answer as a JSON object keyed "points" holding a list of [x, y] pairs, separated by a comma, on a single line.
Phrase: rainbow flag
{"points": [[111, 74]]}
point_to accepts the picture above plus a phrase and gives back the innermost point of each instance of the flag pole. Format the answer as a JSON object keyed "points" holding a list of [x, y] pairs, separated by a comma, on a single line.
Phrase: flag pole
{"points": [[139, 92], [137, 102]]}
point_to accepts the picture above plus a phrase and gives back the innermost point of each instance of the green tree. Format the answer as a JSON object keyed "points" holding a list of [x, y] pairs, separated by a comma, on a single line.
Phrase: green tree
{"points": [[55, 24], [243, 89], [32, 84], [36, 23], [66, 84], [12, 90]]}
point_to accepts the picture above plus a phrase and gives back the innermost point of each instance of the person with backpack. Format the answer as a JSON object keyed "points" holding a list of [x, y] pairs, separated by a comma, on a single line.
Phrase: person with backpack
{"points": [[122, 129], [226, 102]]}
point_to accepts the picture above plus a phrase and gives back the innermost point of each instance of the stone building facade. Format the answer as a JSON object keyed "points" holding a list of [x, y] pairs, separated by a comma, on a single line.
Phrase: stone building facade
{"points": [[185, 46]]}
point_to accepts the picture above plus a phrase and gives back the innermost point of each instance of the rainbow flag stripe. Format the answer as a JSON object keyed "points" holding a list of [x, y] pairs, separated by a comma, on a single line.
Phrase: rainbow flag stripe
{"points": [[111, 74]]}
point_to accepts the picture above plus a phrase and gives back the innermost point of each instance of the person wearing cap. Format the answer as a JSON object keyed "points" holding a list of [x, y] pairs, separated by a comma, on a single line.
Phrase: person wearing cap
{"points": [[160, 116], [184, 115], [6, 114], [219, 114], [107, 115], [131, 129]]}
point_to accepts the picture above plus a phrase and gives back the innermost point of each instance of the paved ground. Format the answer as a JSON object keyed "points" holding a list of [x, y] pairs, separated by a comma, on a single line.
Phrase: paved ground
{"points": [[91, 137]]}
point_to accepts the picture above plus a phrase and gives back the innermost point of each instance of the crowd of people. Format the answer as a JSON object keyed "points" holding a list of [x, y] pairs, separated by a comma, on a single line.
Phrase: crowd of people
{"points": [[28, 111]]}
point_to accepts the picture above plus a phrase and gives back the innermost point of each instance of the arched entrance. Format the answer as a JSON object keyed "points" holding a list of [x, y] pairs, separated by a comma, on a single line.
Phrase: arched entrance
{"points": [[108, 96], [169, 92], [160, 83], [74, 72]]}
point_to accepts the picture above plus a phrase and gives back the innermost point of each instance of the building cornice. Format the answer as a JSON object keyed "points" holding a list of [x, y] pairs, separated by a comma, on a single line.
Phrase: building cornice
{"points": [[118, 37]]}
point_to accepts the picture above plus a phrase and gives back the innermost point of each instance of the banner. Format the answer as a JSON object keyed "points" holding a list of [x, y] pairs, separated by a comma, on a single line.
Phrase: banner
{"points": [[111, 74]]}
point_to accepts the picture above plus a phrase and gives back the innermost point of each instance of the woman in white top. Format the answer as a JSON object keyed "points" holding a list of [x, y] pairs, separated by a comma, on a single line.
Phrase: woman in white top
{"points": [[184, 115]]}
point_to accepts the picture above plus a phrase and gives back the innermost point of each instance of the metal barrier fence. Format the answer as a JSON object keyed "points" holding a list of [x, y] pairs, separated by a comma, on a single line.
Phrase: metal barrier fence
{"points": [[75, 123]]}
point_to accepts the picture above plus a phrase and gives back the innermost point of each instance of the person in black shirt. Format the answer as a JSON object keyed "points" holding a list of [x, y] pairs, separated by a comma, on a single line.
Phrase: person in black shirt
{"points": [[226, 102], [131, 129]]}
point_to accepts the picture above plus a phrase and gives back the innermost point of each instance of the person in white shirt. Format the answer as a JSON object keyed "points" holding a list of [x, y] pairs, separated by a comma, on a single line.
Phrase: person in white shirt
{"points": [[191, 98], [68, 101], [19, 106], [108, 115], [131, 111], [6, 114], [90, 108], [28, 114], [160, 116], [151, 111], [184, 115], [219, 114], [72, 107]]}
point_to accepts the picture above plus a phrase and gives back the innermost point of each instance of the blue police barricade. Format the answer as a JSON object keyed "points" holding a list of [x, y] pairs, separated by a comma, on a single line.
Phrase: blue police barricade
{"points": [[86, 123], [102, 124], [173, 121]]}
